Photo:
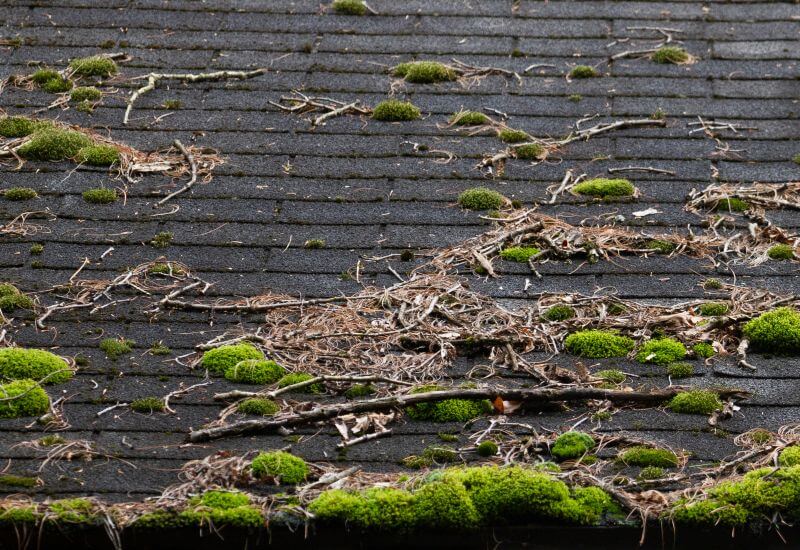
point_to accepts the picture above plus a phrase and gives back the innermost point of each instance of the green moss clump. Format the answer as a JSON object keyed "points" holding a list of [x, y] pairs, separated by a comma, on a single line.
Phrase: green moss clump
{"points": [[713, 309], [393, 110], [19, 515], [529, 151], [36, 249], [604, 187], [760, 436], [10, 299], [148, 405], [651, 472], [790, 456], [560, 312], [570, 445], [116, 347], [29, 399], [712, 284], [349, 7], [430, 456], [359, 390], [284, 467], [100, 195], [680, 370], [255, 371], [583, 71], [732, 204], [20, 194], [520, 254], [85, 93], [54, 144], [424, 72], [481, 198], [162, 240], [508, 135], [703, 350], [218, 360], [51, 440], [448, 410], [444, 505], [598, 344], [661, 351], [671, 54], [296, 377], [695, 402], [57, 85], [796, 159], [221, 500], [611, 376], [72, 510], [42, 76], [96, 65], [660, 246], [217, 508], [487, 448], [314, 244], [648, 456], [781, 252], [18, 126], [469, 118], [34, 364], [10, 480], [98, 155], [258, 406], [575, 98], [776, 331]]}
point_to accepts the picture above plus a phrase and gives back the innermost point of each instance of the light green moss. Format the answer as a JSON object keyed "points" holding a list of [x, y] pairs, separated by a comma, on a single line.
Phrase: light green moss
{"points": [[25, 482], [469, 118], [11, 298], [255, 371], [559, 312], [680, 370], [258, 406], [57, 85], [72, 510], [296, 377], [27, 398], [648, 456], [448, 410], [487, 448], [661, 351], [424, 72], [598, 344], [703, 350], [611, 376], [100, 195], [98, 155], [349, 7], [359, 390], [651, 472], [790, 456], [661, 246], [529, 151], [114, 348], [35, 364], [96, 65], [671, 54], [54, 144], [162, 239], [432, 455], [571, 445], [713, 309], [393, 110], [19, 126], [44, 75], [284, 467], [481, 198], [314, 244], [604, 187], [583, 71], [19, 515], [148, 405], [781, 252], [508, 135], [712, 284], [85, 93], [520, 254], [20, 194], [777, 331], [696, 402], [218, 360], [732, 204]]}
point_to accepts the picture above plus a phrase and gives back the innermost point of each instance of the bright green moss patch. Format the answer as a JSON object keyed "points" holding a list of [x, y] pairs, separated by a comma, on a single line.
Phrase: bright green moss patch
{"points": [[100, 195], [487, 448], [114, 348], [481, 198], [713, 309], [571, 445], [611, 376], [598, 344], [98, 155], [283, 467], [22, 398], [85, 93], [703, 350], [255, 371], [661, 351], [19, 515], [10, 480], [444, 505], [424, 72], [777, 331], [696, 402], [19, 194], [508, 135], [54, 144], [448, 410], [217, 508], [10, 299], [519, 254], [781, 252], [560, 312], [680, 370], [583, 71], [604, 187], [96, 65], [148, 405], [651, 472], [51, 440], [349, 7], [42, 76], [72, 510], [732, 204], [660, 246], [34, 364], [671, 54], [648, 456], [57, 85], [218, 360], [18, 126], [297, 377], [790, 456], [393, 110], [469, 118], [258, 406], [529, 151]]}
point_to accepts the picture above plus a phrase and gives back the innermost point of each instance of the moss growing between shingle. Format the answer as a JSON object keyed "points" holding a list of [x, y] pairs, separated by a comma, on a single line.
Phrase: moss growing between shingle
{"points": [[22, 398], [314, 244], [100, 195], [790, 456], [36, 249], [796, 159], [571, 445], [430, 456], [57, 85], [34, 364], [424, 72], [392, 110], [255, 371], [529, 151], [296, 377], [661, 351], [10, 480], [597, 344], [217, 508], [695, 402], [651, 472], [712, 284], [42, 76], [583, 71], [777, 331], [349, 7], [54, 144], [680, 370], [611, 376], [162, 240], [116, 347], [469, 118], [11, 298], [671, 54], [218, 360], [560, 312], [85, 93], [148, 405], [19, 126], [96, 65], [660, 246], [19, 194], [98, 155], [648, 456], [508, 135], [519, 254], [481, 198], [448, 410], [377, 509], [72, 510], [19, 516], [713, 309], [732, 204], [444, 505], [781, 252], [604, 187], [284, 467], [258, 406], [487, 448]]}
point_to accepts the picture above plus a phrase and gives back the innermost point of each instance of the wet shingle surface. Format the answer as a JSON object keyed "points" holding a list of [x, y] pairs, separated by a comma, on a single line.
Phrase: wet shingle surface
{"points": [[355, 183]]}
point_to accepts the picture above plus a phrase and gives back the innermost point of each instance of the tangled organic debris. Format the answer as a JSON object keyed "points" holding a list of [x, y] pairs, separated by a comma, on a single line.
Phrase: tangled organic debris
{"points": [[665, 51], [427, 72], [583, 71], [751, 200], [299, 103]]}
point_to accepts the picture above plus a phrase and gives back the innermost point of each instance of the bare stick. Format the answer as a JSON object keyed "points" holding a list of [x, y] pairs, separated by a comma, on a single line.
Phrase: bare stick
{"points": [[190, 183], [641, 169]]}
